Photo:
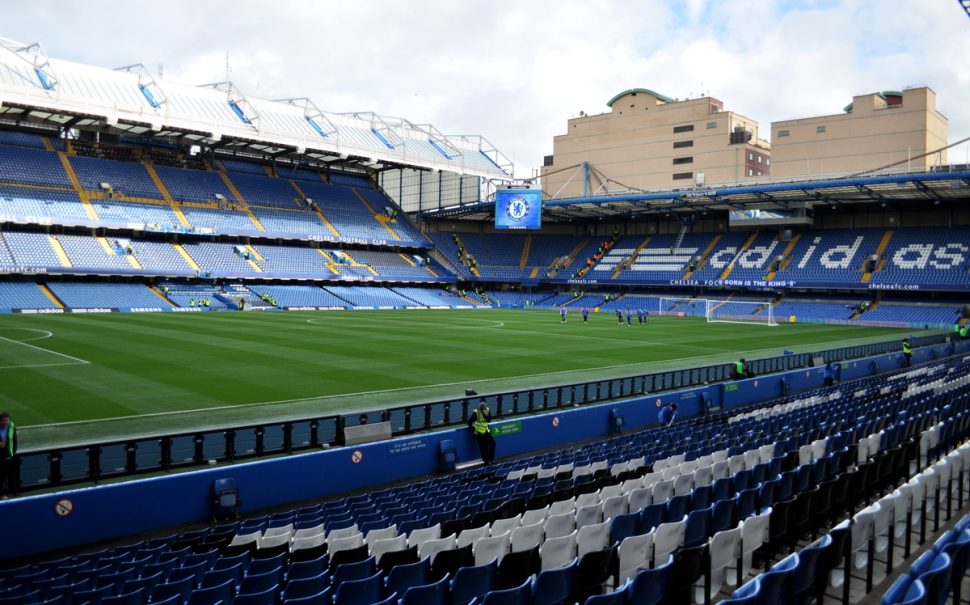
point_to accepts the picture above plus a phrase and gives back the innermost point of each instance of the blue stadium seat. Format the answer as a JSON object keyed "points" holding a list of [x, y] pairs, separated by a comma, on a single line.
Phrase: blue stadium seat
{"points": [[650, 585], [520, 595], [472, 582], [554, 585], [324, 596], [402, 577], [135, 597], [213, 594], [267, 596], [437, 593], [364, 591]]}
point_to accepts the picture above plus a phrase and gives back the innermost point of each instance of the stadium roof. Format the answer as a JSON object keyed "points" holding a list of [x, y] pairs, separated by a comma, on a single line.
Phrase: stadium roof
{"points": [[949, 186], [40, 90]]}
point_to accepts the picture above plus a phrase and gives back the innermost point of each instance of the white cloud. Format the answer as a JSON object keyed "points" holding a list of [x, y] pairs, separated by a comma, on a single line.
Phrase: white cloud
{"points": [[516, 71]]}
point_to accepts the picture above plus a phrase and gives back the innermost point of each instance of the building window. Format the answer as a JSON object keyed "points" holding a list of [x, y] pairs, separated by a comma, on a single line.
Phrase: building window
{"points": [[712, 124], [759, 159], [783, 133], [767, 161], [750, 172], [682, 176], [684, 160], [751, 156], [682, 144], [820, 129], [687, 128]]}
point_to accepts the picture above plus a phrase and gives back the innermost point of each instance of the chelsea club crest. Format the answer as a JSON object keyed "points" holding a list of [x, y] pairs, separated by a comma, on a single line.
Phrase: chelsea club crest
{"points": [[517, 209]]}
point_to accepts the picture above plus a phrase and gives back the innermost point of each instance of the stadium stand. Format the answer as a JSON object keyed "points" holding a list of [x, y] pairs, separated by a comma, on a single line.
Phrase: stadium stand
{"points": [[370, 297], [16, 138], [241, 166], [148, 214], [300, 296], [128, 178], [36, 204], [92, 252], [31, 249], [82, 295], [933, 256], [831, 256], [715, 497], [22, 295], [194, 185], [26, 166], [160, 256]]}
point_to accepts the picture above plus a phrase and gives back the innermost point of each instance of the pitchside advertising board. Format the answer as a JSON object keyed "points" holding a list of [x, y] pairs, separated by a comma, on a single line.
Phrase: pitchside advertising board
{"points": [[519, 209]]}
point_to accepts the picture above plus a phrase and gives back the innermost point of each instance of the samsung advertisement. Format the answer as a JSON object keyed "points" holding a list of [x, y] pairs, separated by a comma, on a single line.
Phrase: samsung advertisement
{"points": [[518, 209]]}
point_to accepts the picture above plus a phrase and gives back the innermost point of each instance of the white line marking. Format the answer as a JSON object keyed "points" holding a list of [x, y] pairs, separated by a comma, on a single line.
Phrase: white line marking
{"points": [[430, 386], [487, 324], [77, 360], [42, 365], [44, 333], [398, 390]]}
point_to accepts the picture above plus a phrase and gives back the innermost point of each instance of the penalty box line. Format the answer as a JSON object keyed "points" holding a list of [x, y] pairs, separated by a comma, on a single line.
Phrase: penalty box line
{"points": [[73, 360]]}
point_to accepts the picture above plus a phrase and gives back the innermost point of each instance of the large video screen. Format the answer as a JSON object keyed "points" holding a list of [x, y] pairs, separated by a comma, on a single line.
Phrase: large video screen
{"points": [[518, 209], [755, 217]]}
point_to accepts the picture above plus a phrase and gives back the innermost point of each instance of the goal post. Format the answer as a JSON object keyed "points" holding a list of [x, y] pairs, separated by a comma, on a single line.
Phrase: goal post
{"points": [[741, 312], [682, 307]]}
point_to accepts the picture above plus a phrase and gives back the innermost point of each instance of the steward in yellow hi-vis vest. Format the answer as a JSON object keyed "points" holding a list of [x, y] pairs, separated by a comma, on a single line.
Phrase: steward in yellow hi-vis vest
{"points": [[478, 422]]}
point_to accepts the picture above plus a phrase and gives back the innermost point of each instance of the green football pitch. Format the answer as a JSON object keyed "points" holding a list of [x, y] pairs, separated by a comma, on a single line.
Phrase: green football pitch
{"points": [[80, 378]]}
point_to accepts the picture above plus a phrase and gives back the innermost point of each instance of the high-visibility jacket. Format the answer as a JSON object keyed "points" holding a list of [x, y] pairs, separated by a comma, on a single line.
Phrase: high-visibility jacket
{"points": [[11, 445], [906, 349], [480, 422], [739, 368]]}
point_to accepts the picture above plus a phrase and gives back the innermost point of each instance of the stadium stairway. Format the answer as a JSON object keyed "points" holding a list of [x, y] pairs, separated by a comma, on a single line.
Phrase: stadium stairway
{"points": [[383, 219], [243, 204], [747, 244], [571, 257], [185, 255], [323, 219], [59, 251], [76, 184], [633, 258], [161, 295], [574, 299], [704, 256], [166, 194], [526, 246], [355, 263], [6, 246], [331, 265], [466, 256], [50, 295], [880, 252], [785, 257]]}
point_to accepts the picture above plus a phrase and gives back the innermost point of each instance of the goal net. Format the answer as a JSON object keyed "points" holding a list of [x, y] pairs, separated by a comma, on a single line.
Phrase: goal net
{"points": [[682, 307], [740, 311]]}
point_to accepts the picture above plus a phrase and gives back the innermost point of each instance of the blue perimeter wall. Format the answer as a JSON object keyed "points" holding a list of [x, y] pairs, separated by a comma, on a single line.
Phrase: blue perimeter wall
{"points": [[107, 512]]}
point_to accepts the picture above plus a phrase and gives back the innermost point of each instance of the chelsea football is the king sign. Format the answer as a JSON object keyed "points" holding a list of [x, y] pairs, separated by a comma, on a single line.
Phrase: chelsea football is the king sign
{"points": [[518, 209]]}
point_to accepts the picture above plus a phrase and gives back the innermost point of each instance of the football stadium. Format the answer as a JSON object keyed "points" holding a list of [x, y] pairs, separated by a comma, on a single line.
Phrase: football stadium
{"points": [[256, 352]]}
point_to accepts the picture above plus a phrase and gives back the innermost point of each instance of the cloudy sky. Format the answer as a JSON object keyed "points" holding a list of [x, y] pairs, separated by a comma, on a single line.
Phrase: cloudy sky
{"points": [[515, 71]]}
